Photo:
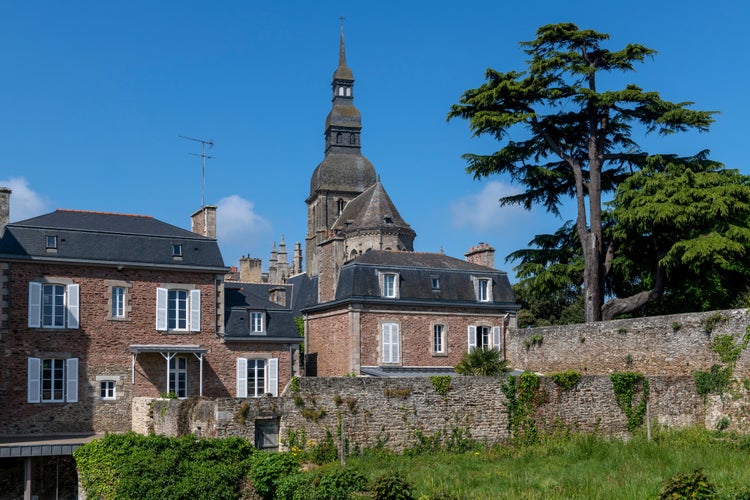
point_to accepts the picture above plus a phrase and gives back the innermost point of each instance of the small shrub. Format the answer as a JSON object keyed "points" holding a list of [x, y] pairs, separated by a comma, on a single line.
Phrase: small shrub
{"points": [[622, 329], [567, 379], [294, 384], [240, 415], [441, 383], [339, 484], [392, 486], [298, 401], [325, 452], [694, 485], [270, 468], [714, 381], [534, 340], [397, 392], [629, 359], [710, 322], [582, 339], [676, 326], [294, 487], [313, 414], [728, 351], [337, 399], [722, 424]]}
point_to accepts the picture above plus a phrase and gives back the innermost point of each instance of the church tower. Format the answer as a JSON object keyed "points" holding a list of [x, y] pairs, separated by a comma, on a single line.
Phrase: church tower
{"points": [[344, 172]]}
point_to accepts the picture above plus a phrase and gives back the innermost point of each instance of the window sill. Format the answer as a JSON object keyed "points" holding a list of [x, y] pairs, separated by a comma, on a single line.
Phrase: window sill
{"points": [[439, 354], [125, 319]]}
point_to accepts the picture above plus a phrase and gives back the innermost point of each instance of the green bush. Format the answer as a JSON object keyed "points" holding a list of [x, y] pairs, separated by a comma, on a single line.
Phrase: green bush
{"points": [[694, 485], [567, 379], [296, 487], [392, 486], [339, 484], [268, 469]]}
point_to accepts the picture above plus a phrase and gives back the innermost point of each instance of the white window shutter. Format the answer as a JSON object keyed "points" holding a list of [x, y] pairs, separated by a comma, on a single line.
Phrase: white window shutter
{"points": [[472, 337], [395, 354], [273, 376], [386, 342], [195, 310], [73, 308], [71, 380], [496, 337], [35, 305], [34, 390], [241, 377], [161, 309]]}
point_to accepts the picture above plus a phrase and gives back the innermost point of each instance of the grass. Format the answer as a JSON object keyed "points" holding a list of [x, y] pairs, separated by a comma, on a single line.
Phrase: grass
{"points": [[573, 467]]}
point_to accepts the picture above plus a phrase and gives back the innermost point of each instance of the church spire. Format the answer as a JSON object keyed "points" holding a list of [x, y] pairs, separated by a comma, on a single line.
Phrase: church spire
{"points": [[342, 50]]}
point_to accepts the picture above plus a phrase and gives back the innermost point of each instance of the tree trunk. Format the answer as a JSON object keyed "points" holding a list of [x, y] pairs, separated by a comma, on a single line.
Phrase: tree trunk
{"points": [[615, 307]]}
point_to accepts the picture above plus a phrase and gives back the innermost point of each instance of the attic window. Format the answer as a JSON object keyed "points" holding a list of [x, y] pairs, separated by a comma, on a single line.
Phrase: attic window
{"points": [[177, 250], [435, 282], [388, 219], [51, 242]]}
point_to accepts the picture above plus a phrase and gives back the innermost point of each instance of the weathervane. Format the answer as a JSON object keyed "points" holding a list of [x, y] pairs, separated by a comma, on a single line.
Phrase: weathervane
{"points": [[203, 156]]}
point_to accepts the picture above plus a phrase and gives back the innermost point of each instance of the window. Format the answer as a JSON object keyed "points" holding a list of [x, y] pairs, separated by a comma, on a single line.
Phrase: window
{"points": [[484, 336], [390, 342], [435, 283], [177, 250], [256, 322], [178, 376], [484, 290], [256, 377], [438, 339], [51, 242], [352, 139], [340, 204], [53, 305], [107, 389], [118, 302], [52, 380], [178, 309], [390, 285]]}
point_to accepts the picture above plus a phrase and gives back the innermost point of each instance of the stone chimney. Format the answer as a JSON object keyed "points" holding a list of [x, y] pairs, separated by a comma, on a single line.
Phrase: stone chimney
{"points": [[4, 207], [204, 221], [250, 270], [297, 259], [482, 254]]}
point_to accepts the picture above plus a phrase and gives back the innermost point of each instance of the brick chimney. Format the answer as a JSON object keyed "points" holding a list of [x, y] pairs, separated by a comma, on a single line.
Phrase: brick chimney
{"points": [[482, 254], [4, 207], [204, 221]]}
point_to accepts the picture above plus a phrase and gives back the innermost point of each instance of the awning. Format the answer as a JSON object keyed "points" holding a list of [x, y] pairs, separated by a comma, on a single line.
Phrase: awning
{"points": [[169, 351]]}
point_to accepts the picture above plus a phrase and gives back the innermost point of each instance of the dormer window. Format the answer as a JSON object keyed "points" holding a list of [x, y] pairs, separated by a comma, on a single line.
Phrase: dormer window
{"points": [[484, 290], [435, 283], [389, 285], [51, 242], [256, 322], [176, 250]]}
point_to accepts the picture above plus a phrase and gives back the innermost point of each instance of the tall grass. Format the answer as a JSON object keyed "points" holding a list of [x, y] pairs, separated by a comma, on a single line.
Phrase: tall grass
{"points": [[573, 466]]}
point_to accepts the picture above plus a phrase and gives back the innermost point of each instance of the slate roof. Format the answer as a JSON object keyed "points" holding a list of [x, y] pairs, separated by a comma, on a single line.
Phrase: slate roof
{"points": [[373, 209], [343, 171], [108, 238], [243, 298]]}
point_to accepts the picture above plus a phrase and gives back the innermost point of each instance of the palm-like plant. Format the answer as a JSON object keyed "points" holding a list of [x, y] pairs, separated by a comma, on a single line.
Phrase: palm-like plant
{"points": [[482, 361]]}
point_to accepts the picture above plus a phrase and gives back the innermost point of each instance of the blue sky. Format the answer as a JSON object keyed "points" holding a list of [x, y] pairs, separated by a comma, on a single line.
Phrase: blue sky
{"points": [[95, 94]]}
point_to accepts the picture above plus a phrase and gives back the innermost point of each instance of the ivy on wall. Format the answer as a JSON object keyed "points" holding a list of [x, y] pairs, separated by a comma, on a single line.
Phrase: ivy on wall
{"points": [[626, 385], [523, 396]]}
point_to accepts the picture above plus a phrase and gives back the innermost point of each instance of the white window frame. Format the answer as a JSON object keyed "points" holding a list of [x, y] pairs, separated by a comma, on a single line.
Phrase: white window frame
{"points": [[108, 389], [174, 384], [70, 306], [484, 289], [192, 310], [438, 338], [257, 322], [389, 285], [271, 377], [67, 381], [493, 336], [117, 296], [390, 342]]}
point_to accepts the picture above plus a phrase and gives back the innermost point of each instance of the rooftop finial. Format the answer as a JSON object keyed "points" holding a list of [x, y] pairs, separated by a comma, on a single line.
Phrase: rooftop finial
{"points": [[342, 52]]}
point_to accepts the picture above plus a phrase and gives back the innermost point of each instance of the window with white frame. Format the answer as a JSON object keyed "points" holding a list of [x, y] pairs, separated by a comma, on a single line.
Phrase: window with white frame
{"points": [[178, 309], [438, 339], [107, 389], [484, 290], [256, 322], [487, 337], [178, 376], [51, 242], [390, 343], [53, 305], [52, 380], [118, 302], [389, 285], [256, 377]]}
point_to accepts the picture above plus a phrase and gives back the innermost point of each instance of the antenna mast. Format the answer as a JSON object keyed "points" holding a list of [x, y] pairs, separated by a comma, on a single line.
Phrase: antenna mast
{"points": [[203, 156]]}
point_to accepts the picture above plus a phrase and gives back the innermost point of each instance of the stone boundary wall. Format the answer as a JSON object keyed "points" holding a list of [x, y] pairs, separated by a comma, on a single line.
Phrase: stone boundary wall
{"points": [[389, 412], [658, 345]]}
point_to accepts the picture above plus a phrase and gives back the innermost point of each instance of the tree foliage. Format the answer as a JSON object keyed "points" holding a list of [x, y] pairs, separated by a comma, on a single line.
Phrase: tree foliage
{"points": [[482, 361], [578, 142]]}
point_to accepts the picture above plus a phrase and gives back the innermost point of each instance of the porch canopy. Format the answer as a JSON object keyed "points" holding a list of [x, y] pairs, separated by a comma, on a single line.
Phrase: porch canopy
{"points": [[169, 351]]}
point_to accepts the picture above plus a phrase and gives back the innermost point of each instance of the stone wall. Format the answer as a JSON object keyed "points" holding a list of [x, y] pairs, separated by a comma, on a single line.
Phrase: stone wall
{"points": [[390, 412], [657, 345]]}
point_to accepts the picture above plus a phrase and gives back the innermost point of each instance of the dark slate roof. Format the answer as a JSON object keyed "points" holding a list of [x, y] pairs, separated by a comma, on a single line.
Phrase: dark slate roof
{"points": [[243, 298], [359, 278], [107, 238], [304, 292], [343, 171], [373, 209]]}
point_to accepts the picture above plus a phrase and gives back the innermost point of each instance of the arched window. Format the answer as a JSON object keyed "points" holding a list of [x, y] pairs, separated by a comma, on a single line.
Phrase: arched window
{"points": [[348, 92], [352, 139], [341, 90], [340, 206], [353, 255], [338, 138]]}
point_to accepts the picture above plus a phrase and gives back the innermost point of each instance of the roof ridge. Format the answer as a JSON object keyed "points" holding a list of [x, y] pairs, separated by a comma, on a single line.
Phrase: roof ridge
{"points": [[102, 213]]}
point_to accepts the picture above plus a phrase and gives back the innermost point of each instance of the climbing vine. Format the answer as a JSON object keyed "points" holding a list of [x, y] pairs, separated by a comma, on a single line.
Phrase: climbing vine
{"points": [[625, 385], [441, 383], [522, 394], [718, 378], [567, 379]]}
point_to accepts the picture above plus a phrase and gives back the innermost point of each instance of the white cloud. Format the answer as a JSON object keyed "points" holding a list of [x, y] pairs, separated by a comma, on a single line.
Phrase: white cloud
{"points": [[237, 223], [482, 211], [24, 203]]}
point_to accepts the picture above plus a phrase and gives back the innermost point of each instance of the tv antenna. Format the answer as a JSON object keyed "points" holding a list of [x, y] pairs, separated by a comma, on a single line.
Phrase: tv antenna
{"points": [[203, 156]]}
